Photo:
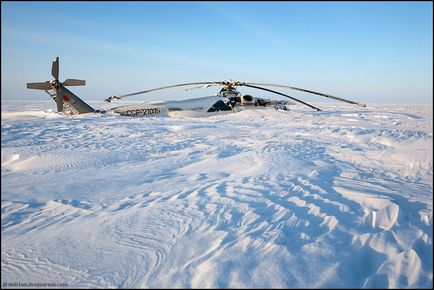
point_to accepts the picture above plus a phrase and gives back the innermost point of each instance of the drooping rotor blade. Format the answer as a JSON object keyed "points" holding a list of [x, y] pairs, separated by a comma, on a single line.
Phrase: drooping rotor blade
{"points": [[39, 86], [201, 87], [279, 93], [156, 89], [188, 89], [73, 82], [55, 69], [312, 92]]}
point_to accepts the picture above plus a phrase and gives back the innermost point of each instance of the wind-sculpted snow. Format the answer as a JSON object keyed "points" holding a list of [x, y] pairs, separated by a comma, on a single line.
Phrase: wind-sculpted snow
{"points": [[256, 199]]}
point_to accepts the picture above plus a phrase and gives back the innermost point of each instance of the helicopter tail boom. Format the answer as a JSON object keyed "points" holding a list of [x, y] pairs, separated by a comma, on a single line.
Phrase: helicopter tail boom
{"points": [[66, 101]]}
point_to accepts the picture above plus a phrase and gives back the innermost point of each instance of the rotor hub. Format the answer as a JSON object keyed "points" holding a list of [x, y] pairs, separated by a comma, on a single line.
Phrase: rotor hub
{"points": [[55, 84]]}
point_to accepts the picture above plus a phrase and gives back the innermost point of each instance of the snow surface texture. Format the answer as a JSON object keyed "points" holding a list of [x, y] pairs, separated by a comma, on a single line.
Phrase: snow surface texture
{"points": [[260, 198]]}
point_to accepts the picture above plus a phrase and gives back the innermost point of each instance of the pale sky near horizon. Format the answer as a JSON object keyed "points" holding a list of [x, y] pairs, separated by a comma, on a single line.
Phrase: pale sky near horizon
{"points": [[378, 52]]}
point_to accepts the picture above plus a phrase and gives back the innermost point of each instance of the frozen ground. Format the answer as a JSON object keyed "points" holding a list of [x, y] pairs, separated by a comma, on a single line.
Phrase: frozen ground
{"points": [[339, 198]]}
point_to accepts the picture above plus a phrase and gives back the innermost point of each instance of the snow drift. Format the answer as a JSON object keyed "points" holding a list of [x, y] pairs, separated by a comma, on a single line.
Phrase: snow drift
{"points": [[256, 199]]}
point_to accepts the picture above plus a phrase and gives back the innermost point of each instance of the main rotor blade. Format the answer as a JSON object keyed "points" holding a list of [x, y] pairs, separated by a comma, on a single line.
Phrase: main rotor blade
{"points": [[74, 82], [312, 92], [39, 86], [279, 93], [179, 90], [165, 87], [55, 69]]}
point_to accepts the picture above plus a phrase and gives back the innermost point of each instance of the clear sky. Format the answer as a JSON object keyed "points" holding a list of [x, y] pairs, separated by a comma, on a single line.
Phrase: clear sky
{"points": [[378, 52]]}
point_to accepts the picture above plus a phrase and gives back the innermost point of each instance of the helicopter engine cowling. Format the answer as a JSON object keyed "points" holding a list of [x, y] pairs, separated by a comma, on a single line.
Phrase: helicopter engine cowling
{"points": [[248, 100]]}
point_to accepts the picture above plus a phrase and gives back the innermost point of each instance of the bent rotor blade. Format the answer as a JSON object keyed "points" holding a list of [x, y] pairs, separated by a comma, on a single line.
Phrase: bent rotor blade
{"points": [[179, 90], [200, 87], [39, 86], [312, 92], [279, 93], [55, 69], [161, 88], [73, 82]]}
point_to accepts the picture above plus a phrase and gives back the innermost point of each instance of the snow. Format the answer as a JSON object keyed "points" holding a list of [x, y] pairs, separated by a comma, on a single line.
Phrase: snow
{"points": [[256, 199]]}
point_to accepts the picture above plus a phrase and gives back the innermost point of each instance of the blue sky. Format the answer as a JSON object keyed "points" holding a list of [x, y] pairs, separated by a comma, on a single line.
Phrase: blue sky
{"points": [[378, 52]]}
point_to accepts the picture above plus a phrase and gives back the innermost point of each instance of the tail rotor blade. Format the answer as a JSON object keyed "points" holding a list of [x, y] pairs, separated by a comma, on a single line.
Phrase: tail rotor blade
{"points": [[55, 69], [39, 86], [73, 82]]}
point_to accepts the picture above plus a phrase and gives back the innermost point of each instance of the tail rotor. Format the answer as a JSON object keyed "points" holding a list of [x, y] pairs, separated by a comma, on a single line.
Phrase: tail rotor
{"points": [[65, 100], [56, 85], [55, 69]]}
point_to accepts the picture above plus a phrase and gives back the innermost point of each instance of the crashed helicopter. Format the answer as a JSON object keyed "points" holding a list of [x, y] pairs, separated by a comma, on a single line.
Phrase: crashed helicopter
{"points": [[227, 100]]}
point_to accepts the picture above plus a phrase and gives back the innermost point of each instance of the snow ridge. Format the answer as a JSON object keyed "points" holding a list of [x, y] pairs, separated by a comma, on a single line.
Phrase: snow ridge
{"points": [[256, 199]]}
